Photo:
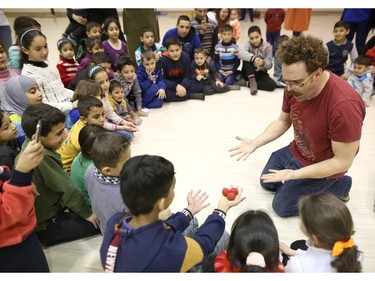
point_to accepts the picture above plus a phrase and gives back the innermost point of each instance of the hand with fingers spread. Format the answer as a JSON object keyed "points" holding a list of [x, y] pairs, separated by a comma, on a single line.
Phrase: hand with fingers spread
{"points": [[196, 201], [278, 176], [244, 149]]}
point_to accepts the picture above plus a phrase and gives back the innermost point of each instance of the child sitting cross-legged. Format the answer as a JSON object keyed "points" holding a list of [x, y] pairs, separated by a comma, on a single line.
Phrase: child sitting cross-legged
{"points": [[139, 241], [206, 74]]}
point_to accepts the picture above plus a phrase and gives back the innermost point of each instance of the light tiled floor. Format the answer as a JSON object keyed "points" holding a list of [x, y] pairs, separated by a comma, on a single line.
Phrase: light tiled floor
{"points": [[196, 137]]}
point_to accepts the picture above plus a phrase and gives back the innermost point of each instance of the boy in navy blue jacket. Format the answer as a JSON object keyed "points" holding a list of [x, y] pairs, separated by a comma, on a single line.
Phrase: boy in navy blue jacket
{"points": [[151, 81], [139, 241], [176, 67]]}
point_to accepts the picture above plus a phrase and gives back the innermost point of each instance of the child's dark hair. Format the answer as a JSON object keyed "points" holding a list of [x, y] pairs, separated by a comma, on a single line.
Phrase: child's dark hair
{"points": [[200, 50], [362, 60], [86, 103], [172, 41], [23, 23], [226, 27], [144, 180], [62, 42], [26, 39], [125, 60], [254, 231], [4, 48], [147, 55], [183, 18], [254, 28], [87, 87], [92, 70], [145, 29], [86, 138], [281, 39], [92, 24], [101, 57], [49, 115], [333, 224], [91, 42], [107, 149], [108, 21], [341, 23], [113, 84]]}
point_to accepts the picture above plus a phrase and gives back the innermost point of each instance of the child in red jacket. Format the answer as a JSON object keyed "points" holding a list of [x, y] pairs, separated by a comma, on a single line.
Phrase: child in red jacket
{"points": [[20, 250]]}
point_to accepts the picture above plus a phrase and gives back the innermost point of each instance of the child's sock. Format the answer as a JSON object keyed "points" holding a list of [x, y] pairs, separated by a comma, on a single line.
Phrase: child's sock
{"points": [[253, 85]]}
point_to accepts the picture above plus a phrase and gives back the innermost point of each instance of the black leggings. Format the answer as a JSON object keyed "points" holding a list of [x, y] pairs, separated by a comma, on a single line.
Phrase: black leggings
{"points": [[65, 227], [27, 256]]}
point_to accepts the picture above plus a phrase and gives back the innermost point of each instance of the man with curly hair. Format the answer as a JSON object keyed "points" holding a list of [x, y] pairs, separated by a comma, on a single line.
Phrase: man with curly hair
{"points": [[326, 116]]}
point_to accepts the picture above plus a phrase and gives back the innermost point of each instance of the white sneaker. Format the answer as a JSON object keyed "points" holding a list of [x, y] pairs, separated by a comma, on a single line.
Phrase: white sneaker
{"points": [[145, 110]]}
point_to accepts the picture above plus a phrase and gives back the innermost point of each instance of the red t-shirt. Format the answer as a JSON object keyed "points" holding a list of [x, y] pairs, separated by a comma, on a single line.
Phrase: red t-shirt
{"points": [[336, 114]]}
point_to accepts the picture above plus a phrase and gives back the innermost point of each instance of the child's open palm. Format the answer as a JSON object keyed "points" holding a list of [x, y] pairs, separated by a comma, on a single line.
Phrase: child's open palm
{"points": [[196, 201]]}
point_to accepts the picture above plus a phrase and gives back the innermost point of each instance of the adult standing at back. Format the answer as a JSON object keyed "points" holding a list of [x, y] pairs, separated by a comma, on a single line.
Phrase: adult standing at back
{"points": [[133, 20], [206, 29], [297, 20], [5, 32], [185, 34], [360, 22], [326, 116]]}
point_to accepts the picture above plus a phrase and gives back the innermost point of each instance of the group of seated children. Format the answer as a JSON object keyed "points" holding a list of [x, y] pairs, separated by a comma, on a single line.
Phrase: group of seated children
{"points": [[87, 183]]}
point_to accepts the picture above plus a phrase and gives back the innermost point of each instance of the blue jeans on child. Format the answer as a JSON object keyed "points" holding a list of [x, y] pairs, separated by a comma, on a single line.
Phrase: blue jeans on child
{"points": [[285, 201]]}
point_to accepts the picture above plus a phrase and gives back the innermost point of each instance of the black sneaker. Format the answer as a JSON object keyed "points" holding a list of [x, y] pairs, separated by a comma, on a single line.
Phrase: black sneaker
{"points": [[197, 96]]}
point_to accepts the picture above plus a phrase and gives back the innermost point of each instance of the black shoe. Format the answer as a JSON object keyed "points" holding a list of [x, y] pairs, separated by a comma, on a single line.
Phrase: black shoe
{"points": [[197, 96]]}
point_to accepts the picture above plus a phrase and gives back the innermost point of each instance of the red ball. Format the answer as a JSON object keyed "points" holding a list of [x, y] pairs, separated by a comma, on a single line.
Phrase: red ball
{"points": [[231, 196], [225, 191], [234, 190]]}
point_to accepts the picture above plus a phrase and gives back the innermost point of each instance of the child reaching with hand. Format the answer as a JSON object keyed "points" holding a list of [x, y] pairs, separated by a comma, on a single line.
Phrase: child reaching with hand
{"points": [[330, 247], [144, 243], [253, 245]]}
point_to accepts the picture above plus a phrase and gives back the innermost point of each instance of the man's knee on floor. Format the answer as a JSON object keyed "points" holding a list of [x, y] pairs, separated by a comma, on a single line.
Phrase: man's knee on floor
{"points": [[283, 210]]}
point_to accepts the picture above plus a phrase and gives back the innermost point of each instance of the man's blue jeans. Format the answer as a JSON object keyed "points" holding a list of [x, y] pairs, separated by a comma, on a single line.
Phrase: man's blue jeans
{"points": [[285, 201]]}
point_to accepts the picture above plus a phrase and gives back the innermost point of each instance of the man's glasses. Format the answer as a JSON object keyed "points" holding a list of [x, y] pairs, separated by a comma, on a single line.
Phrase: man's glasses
{"points": [[294, 84]]}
